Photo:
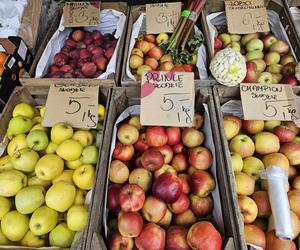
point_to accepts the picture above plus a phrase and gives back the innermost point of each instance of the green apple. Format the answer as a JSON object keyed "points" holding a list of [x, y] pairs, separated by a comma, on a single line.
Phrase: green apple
{"points": [[17, 143], [49, 167], [253, 55], [83, 177], [9, 134], [61, 132], [11, 181], [79, 197], [255, 45], [248, 37], [274, 68], [14, 225], [19, 125], [67, 175], [236, 162], [51, 148], [265, 77], [39, 126], [31, 240], [4, 240], [37, 120], [5, 163], [42, 111], [74, 164], [43, 220], [5, 206], [29, 199], [60, 196], [23, 109], [37, 140], [84, 137], [61, 236], [89, 154], [253, 166], [25, 160], [69, 150], [77, 217], [34, 180]]}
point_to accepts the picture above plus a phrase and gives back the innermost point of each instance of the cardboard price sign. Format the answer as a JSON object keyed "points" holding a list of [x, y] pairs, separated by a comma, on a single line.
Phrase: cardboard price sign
{"points": [[77, 14], [246, 16], [162, 17], [74, 104], [167, 99], [268, 102]]}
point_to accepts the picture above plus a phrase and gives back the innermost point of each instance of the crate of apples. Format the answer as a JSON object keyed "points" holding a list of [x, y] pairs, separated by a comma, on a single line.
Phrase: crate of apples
{"points": [[85, 54], [268, 59], [254, 146], [45, 176], [160, 189]]}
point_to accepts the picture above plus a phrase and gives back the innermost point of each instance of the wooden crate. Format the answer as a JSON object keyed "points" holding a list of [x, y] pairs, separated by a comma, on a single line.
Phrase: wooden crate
{"points": [[112, 79], [122, 98], [38, 96], [135, 12]]}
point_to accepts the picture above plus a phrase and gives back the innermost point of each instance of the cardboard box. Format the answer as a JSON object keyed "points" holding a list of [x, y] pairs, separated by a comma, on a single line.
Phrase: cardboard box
{"points": [[121, 99], [112, 79], [38, 96], [135, 12]]}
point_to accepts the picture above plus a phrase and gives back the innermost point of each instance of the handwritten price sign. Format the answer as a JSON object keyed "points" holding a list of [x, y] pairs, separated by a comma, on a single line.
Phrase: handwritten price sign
{"points": [[162, 17], [74, 104], [77, 14], [246, 16], [271, 102], [167, 98]]}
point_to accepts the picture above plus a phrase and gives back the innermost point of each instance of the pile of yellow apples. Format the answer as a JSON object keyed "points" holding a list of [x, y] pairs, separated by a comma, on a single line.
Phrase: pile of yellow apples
{"points": [[44, 178], [256, 145]]}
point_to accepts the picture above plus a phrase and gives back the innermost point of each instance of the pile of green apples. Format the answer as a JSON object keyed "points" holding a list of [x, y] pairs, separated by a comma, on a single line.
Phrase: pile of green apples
{"points": [[44, 178]]}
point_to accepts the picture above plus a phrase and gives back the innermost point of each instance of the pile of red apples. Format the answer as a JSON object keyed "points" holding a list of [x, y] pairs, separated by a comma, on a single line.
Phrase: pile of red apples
{"points": [[267, 57], [160, 189], [255, 146], [147, 55], [85, 54]]}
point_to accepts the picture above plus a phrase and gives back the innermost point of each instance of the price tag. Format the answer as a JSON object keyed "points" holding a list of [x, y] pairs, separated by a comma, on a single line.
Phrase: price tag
{"points": [[268, 102], [162, 17], [246, 16], [77, 14], [75, 104], [167, 99]]}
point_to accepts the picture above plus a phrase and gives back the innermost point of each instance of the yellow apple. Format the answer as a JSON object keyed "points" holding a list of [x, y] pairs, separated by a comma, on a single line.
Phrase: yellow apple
{"points": [[14, 225], [89, 154], [23, 109], [61, 236], [232, 126], [77, 217], [4, 240], [42, 111], [17, 143], [270, 125], [84, 137], [253, 166], [34, 180], [25, 160], [37, 119], [67, 175], [31, 240], [83, 177], [60, 196], [244, 183], [5, 163], [19, 125], [11, 181], [79, 197], [5, 206], [43, 220], [243, 145], [276, 159], [69, 150], [51, 148], [135, 121], [39, 126], [49, 167], [74, 164], [236, 162], [266, 143], [101, 112], [61, 132]]}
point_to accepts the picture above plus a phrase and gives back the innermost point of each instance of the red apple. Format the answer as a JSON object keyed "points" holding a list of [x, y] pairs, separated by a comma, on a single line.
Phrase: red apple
{"points": [[200, 158], [166, 152], [156, 53], [130, 224], [149, 38], [217, 44], [151, 237], [152, 62], [292, 151], [180, 205], [174, 135], [165, 169], [117, 242], [137, 162], [131, 198], [123, 152], [128, 134], [201, 206], [248, 208], [203, 235], [142, 45], [179, 162], [253, 126], [261, 199], [154, 209], [141, 144], [202, 183], [185, 219], [179, 148], [77, 35], [176, 238], [291, 80], [289, 69], [156, 136], [152, 159], [251, 75], [167, 187], [292, 126], [192, 137], [113, 196], [284, 133], [274, 243], [185, 179], [166, 66], [254, 235], [165, 222]]}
